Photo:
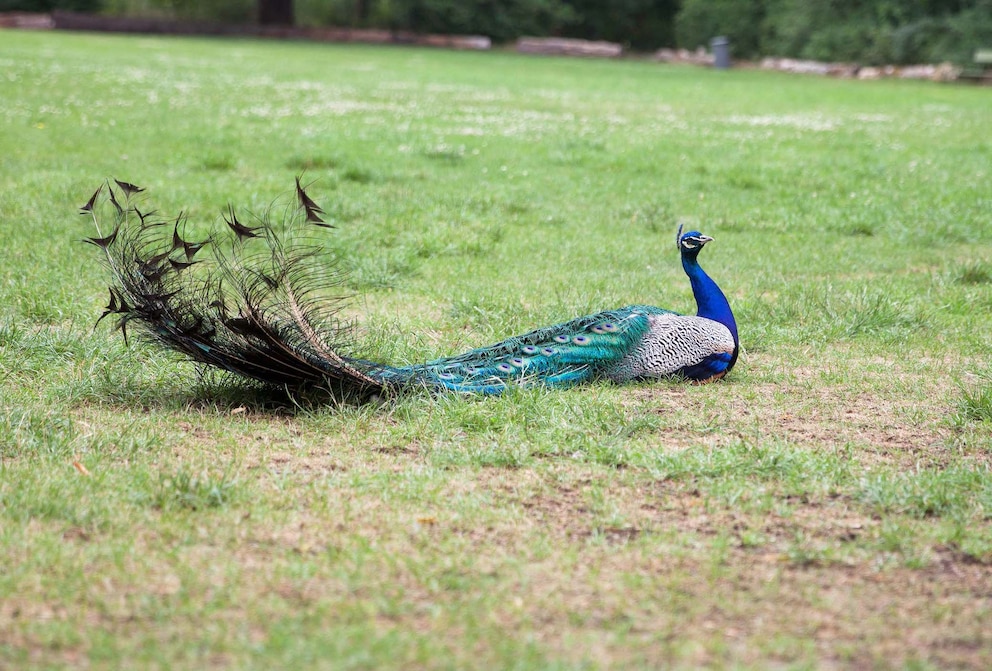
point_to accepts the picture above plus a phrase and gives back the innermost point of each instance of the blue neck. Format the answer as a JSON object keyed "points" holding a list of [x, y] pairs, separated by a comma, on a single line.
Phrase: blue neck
{"points": [[710, 301]]}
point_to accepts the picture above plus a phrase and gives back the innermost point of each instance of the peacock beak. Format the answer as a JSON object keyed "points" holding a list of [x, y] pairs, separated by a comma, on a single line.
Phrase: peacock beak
{"points": [[705, 238]]}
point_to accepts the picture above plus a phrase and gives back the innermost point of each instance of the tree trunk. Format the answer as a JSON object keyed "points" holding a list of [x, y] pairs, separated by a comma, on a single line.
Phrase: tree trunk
{"points": [[361, 12], [275, 12]]}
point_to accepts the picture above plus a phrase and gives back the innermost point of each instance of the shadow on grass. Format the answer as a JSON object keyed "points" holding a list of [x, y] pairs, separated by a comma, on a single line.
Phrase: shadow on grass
{"points": [[221, 393]]}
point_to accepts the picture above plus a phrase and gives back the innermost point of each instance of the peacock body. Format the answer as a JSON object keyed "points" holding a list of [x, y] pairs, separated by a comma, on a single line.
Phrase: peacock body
{"points": [[267, 315]]}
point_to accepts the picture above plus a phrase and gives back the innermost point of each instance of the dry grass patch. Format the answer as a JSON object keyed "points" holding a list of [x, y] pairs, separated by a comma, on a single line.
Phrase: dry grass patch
{"points": [[892, 411], [743, 524]]}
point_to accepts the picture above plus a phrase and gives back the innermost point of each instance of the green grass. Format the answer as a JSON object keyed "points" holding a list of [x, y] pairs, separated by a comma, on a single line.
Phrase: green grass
{"points": [[829, 505]]}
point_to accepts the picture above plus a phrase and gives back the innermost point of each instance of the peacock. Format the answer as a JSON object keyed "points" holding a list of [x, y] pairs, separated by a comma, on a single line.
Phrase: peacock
{"points": [[266, 305]]}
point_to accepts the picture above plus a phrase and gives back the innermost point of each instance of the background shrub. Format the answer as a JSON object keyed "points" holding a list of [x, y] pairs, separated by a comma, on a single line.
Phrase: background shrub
{"points": [[861, 31]]}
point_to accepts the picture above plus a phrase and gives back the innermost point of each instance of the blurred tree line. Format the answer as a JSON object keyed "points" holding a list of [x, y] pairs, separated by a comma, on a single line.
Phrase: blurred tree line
{"points": [[864, 31], [870, 32]]}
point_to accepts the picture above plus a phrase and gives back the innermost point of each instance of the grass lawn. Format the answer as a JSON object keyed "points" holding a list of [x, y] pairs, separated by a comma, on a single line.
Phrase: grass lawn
{"points": [[827, 506]]}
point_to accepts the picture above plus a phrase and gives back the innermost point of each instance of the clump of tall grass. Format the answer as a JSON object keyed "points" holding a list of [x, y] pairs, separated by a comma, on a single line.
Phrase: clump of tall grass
{"points": [[975, 403], [974, 273]]}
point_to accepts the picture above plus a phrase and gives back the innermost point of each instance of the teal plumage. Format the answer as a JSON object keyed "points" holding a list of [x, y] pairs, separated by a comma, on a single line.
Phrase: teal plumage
{"points": [[260, 315], [562, 355]]}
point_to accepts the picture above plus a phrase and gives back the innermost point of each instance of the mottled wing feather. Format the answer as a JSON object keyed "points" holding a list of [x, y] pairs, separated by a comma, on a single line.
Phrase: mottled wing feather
{"points": [[688, 346]]}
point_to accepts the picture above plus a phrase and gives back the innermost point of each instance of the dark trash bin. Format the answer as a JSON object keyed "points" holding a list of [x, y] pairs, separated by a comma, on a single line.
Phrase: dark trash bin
{"points": [[721, 52]]}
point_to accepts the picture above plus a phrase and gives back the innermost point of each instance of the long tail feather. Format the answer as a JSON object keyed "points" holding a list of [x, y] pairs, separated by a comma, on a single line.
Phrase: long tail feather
{"points": [[563, 355], [252, 309]]}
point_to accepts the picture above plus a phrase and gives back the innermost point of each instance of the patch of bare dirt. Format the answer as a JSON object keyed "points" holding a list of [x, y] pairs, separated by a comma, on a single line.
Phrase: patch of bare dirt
{"points": [[893, 414]]}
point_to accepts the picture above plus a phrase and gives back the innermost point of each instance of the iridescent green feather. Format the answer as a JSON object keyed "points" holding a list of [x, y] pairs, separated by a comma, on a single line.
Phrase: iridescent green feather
{"points": [[558, 356]]}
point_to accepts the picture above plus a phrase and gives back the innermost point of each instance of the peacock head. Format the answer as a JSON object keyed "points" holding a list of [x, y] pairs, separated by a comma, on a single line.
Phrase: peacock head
{"points": [[691, 242]]}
